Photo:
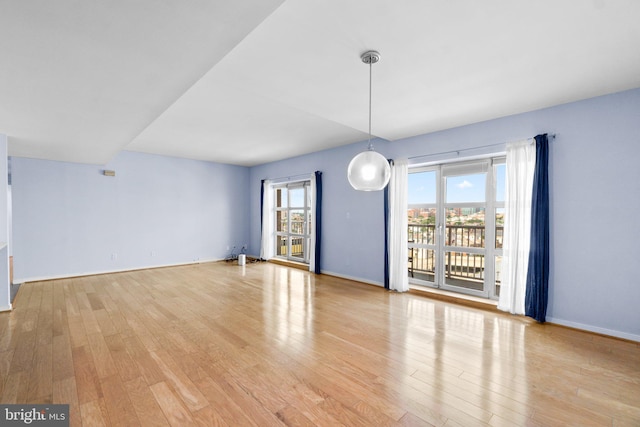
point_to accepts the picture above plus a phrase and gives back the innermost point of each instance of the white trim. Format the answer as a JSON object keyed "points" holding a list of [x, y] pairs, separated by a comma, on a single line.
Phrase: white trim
{"points": [[97, 273], [466, 167], [308, 233], [595, 329], [448, 159], [5, 308], [291, 184], [282, 182]]}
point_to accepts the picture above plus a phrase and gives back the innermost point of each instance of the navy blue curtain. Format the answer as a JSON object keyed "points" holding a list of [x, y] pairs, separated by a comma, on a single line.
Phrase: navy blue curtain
{"points": [[318, 218], [261, 209], [386, 234], [538, 273], [261, 202]]}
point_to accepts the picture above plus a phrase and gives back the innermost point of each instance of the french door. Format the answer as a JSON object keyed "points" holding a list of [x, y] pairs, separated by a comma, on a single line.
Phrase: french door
{"points": [[455, 218], [293, 218]]}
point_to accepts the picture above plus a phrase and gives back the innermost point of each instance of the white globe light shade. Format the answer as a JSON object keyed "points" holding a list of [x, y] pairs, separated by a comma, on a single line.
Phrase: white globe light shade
{"points": [[369, 171]]}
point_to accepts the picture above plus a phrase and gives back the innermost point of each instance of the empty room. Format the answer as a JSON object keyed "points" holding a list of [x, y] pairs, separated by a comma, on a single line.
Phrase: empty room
{"points": [[320, 213]]}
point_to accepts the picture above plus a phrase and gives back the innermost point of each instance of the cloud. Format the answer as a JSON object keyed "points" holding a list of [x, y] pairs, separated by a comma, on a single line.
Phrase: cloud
{"points": [[465, 184]]}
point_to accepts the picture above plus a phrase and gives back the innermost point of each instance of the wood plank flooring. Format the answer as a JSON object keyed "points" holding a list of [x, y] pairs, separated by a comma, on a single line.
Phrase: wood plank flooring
{"points": [[265, 345]]}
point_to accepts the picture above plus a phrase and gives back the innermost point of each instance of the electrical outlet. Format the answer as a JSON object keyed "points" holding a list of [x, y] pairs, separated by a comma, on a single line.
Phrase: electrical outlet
{"points": [[153, 253], [114, 256]]}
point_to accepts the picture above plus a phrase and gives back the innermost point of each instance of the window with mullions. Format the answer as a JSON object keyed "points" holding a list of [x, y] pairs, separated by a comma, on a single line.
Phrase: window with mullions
{"points": [[293, 221], [456, 216]]}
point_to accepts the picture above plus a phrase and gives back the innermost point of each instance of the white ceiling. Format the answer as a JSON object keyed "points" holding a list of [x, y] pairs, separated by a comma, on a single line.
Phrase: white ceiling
{"points": [[248, 82]]}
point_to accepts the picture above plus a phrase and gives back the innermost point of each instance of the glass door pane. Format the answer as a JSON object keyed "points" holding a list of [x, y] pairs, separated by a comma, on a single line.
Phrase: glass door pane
{"points": [[466, 188], [422, 264], [465, 227], [465, 231], [422, 215], [498, 275], [464, 270], [499, 171], [282, 246], [282, 221], [297, 221], [296, 196], [281, 197], [297, 247], [499, 227], [298, 228], [455, 226], [293, 216]]}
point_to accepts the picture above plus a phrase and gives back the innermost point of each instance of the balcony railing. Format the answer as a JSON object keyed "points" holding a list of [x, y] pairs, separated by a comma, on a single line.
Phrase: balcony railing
{"points": [[297, 246], [465, 266], [298, 227]]}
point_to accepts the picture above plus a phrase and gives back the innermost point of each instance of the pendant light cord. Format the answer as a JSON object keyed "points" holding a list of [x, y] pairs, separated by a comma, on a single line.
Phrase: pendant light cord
{"points": [[370, 79]]}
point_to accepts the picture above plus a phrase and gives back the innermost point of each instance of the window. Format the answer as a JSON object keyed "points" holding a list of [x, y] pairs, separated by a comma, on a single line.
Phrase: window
{"points": [[455, 219], [292, 221]]}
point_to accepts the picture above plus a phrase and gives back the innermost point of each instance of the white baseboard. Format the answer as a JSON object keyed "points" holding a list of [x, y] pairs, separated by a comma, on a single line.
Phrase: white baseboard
{"points": [[95, 273], [595, 329]]}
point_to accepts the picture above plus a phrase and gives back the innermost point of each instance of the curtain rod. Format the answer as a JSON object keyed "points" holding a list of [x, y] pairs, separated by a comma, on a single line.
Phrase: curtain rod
{"points": [[550, 136], [289, 178]]}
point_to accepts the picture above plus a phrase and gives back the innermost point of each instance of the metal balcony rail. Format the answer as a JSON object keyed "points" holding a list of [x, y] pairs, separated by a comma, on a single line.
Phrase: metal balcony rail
{"points": [[297, 246], [459, 265]]}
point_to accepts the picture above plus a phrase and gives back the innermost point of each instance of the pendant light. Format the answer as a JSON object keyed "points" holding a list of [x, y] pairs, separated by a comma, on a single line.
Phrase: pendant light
{"points": [[369, 170]]}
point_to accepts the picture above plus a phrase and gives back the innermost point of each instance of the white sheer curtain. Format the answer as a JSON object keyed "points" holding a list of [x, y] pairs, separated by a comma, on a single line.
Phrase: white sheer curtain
{"points": [[521, 161], [398, 239], [266, 243]]}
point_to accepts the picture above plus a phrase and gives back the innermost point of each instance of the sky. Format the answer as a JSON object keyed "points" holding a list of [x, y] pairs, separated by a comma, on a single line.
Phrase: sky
{"points": [[460, 189], [422, 188], [296, 195]]}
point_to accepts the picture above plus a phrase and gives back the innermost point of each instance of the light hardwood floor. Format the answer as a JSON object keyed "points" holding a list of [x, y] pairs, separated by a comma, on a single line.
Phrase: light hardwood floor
{"points": [[217, 344]]}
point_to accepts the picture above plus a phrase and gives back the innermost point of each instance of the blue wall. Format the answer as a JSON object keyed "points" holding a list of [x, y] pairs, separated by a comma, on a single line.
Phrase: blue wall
{"points": [[595, 202], [69, 219], [352, 221]]}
